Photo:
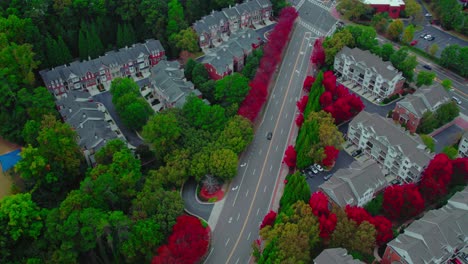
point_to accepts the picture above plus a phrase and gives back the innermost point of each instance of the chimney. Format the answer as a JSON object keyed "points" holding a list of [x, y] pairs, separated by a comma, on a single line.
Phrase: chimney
{"points": [[95, 136], [248, 35], [69, 109], [89, 58], [84, 115], [217, 57]]}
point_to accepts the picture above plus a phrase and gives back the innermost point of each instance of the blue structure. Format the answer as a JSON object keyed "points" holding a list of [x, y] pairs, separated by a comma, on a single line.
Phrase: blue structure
{"points": [[10, 159]]}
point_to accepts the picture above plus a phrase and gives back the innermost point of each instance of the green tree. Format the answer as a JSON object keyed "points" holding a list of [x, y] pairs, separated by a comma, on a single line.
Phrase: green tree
{"points": [[352, 9], [105, 155], [83, 44], [186, 39], [374, 207], [433, 49], [387, 51], [162, 131], [188, 68], [380, 22], [425, 78], [447, 84], [231, 89], [334, 44], [412, 8], [428, 123], [365, 37], [404, 63], [199, 166], [297, 189], [446, 113], [201, 115], [452, 57], [145, 235], [344, 231], [199, 75], [175, 18], [451, 152], [428, 141], [208, 90], [408, 34], [237, 134], [395, 29], [125, 35], [364, 238], [251, 63], [223, 163]]}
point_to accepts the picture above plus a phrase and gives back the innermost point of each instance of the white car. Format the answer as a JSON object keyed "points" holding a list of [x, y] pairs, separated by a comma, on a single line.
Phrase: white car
{"points": [[314, 170], [427, 37], [318, 167]]}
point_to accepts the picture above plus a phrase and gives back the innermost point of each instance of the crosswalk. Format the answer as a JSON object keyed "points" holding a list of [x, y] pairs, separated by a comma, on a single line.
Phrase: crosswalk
{"points": [[300, 4], [311, 28]]}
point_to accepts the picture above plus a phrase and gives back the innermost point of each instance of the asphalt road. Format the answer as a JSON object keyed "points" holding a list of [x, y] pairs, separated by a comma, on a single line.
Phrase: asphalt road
{"points": [[244, 208], [192, 206]]}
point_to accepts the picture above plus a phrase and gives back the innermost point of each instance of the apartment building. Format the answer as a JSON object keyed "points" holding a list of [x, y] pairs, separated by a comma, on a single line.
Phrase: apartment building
{"points": [[356, 185], [134, 61], [410, 110], [216, 28], [463, 146], [91, 121], [440, 236], [335, 256], [375, 76], [230, 56], [400, 153]]}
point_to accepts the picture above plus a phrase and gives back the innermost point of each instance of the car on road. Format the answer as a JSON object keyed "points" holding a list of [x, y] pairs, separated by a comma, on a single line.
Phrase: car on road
{"points": [[356, 152], [458, 101], [327, 177], [423, 35], [427, 15], [414, 42], [269, 135], [318, 167], [427, 67]]}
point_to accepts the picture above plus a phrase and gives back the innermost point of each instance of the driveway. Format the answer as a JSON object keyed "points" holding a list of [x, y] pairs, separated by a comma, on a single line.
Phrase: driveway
{"points": [[192, 205], [447, 137], [106, 99]]}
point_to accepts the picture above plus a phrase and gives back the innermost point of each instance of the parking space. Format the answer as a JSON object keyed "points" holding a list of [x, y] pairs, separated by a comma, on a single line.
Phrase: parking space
{"points": [[447, 137], [441, 38]]}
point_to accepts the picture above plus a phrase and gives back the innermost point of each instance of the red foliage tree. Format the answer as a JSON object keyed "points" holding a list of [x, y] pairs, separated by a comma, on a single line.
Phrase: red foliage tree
{"points": [[309, 80], [340, 91], [401, 202], [358, 214], [436, 178], [187, 243], [269, 219], [327, 225], [302, 103], [383, 226], [299, 120], [319, 204], [460, 171], [329, 81], [290, 156], [331, 153], [326, 99], [318, 53]]}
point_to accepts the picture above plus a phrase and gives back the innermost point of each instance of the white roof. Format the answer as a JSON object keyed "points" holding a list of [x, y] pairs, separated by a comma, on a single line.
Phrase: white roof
{"points": [[384, 2]]}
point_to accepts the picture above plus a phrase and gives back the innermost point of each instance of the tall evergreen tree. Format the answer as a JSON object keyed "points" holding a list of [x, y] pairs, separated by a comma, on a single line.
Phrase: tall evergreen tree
{"points": [[83, 44], [64, 52]]}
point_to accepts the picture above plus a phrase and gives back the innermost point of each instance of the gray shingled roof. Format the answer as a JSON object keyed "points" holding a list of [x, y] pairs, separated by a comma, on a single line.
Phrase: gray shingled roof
{"points": [[230, 12], [168, 77], [411, 146], [434, 237], [384, 68], [424, 99], [353, 182], [335, 256], [264, 3]]}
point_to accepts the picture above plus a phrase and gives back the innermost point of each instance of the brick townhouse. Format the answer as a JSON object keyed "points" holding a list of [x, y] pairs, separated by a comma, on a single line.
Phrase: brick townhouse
{"points": [[356, 185], [369, 71], [216, 27], [231, 55], [392, 7], [440, 236], [80, 75], [399, 153], [410, 110]]}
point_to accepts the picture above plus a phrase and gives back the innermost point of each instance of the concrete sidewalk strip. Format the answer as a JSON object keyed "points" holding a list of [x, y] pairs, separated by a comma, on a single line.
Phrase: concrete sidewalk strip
{"points": [[217, 208]]}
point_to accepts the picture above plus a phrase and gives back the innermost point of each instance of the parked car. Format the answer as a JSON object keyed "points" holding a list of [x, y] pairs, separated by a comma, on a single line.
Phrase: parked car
{"points": [[313, 169], [327, 177], [356, 152], [427, 37], [423, 35], [318, 167], [394, 182], [427, 15], [414, 42], [427, 67], [269, 135], [458, 101], [431, 38]]}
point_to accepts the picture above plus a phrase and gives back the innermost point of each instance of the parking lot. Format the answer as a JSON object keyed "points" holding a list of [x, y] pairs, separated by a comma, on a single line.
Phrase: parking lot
{"points": [[441, 38]]}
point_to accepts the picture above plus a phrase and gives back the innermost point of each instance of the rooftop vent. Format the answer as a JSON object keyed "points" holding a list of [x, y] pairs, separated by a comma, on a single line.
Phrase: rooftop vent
{"points": [[390, 67]]}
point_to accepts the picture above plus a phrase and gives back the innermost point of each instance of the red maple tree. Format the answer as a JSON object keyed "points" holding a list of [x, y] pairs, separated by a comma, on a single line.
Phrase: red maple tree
{"points": [[299, 120], [290, 157], [327, 224], [302, 103], [269, 219], [326, 99], [401, 202], [383, 226], [331, 153], [319, 204], [358, 214], [318, 53], [309, 80], [187, 243], [436, 178], [329, 81]]}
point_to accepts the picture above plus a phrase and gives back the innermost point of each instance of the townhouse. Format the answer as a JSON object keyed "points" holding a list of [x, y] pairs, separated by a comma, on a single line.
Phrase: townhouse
{"points": [[392, 7], [376, 77], [134, 61], [335, 256], [169, 88], [356, 185], [440, 236], [409, 111], [215, 28], [463, 146], [231, 55], [91, 121], [400, 153]]}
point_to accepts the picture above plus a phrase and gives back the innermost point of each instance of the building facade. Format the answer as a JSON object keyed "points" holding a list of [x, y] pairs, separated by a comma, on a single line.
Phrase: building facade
{"points": [[409, 111], [230, 56], [392, 7], [216, 28], [398, 152], [356, 185], [463, 146], [134, 61], [370, 72], [440, 236]]}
